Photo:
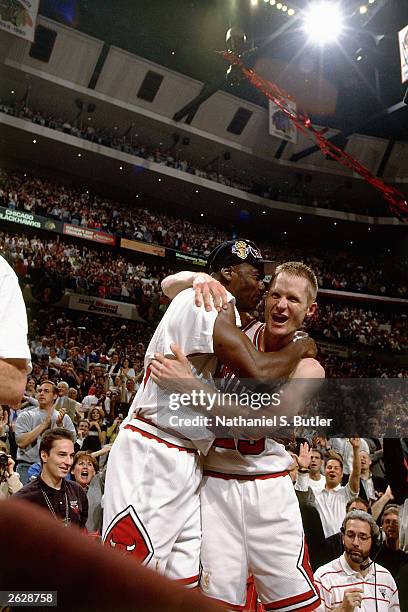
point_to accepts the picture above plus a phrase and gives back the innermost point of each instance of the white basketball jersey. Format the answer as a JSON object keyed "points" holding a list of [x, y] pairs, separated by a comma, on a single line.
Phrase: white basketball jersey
{"points": [[191, 328], [244, 456]]}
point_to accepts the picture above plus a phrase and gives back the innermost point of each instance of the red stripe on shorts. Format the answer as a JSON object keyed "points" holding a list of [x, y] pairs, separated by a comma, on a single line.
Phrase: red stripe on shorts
{"points": [[244, 476], [146, 434], [290, 601], [190, 580], [229, 606]]}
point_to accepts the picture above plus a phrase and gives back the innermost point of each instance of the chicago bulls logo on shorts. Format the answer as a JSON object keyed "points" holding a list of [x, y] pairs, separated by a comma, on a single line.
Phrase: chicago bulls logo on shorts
{"points": [[127, 534]]}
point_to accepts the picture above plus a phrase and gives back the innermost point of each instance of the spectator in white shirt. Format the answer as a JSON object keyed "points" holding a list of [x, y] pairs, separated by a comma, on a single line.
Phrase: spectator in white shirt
{"points": [[54, 360], [331, 501], [344, 448], [317, 481]]}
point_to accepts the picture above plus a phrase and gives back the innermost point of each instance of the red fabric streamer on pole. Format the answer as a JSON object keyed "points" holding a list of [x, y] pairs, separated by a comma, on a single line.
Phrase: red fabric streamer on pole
{"points": [[397, 202]]}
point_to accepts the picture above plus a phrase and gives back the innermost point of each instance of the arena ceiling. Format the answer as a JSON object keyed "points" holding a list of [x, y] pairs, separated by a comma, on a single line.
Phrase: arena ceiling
{"points": [[362, 96]]}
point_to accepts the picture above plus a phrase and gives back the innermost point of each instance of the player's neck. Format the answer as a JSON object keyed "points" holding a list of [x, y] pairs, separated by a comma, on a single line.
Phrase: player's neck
{"points": [[271, 343]]}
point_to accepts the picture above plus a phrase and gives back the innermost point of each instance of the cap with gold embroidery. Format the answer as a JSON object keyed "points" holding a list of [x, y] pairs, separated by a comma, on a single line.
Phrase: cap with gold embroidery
{"points": [[236, 252]]}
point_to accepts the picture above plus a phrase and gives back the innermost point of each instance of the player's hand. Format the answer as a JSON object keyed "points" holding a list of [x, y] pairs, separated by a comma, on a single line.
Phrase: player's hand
{"points": [[304, 456], [171, 374], [307, 344], [352, 599], [210, 292], [60, 417]]}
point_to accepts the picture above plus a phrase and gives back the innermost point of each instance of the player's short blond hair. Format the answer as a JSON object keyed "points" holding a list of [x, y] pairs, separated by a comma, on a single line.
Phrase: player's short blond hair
{"points": [[301, 270]]}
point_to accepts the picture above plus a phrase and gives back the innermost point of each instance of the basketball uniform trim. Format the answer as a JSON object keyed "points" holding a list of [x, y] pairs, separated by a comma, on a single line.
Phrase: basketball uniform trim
{"points": [[244, 476], [163, 438]]}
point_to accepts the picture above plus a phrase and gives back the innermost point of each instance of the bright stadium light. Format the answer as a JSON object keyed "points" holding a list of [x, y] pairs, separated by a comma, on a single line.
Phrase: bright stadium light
{"points": [[323, 22]]}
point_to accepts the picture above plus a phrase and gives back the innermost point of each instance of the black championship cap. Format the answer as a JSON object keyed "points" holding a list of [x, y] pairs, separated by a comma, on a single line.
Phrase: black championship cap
{"points": [[236, 252]]}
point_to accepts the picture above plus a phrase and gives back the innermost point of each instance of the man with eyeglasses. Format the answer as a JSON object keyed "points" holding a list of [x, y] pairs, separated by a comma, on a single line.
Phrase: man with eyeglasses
{"points": [[354, 581]]}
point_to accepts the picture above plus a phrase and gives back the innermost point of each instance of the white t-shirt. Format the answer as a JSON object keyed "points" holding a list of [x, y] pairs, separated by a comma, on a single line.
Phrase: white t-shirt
{"points": [[13, 317], [89, 402], [331, 503], [191, 328], [317, 485]]}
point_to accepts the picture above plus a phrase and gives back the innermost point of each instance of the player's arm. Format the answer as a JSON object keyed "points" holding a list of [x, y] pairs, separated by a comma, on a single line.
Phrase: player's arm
{"points": [[175, 375], [13, 379], [208, 290], [236, 351], [14, 352]]}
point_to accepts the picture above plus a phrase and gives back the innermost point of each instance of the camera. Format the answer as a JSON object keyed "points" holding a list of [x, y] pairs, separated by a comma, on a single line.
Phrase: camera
{"points": [[3, 460]]}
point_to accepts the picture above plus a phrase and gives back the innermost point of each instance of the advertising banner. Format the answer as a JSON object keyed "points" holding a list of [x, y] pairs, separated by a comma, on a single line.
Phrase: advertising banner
{"points": [[191, 259], [143, 247], [327, 348], [87, 233], [105, 307], [280, 125], [28, 219], [403, 47], [18, 17]]}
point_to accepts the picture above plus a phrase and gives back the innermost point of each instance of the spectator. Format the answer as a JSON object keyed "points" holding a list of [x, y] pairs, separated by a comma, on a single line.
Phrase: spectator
{"points": [[331, 501], [128, 393], [84, 468], [97, 429], [4, 426], [316, 479], [65, 500], [127, 371], [334, 543], [94, 398], [9, 479], [370, 486], [29, 399], [54, 360], [113, 430], [343, 447], [390, 555], [340, 582], [82, 438], [64, 402], [33, 422]]}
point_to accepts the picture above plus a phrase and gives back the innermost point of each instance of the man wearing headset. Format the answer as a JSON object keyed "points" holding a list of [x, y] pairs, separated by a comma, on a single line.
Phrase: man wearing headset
{"points": [[355, 581]]}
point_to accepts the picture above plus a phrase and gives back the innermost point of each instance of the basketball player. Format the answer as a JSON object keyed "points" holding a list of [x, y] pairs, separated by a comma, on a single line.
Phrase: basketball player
{"points": [[251, 521], [152, 506]]}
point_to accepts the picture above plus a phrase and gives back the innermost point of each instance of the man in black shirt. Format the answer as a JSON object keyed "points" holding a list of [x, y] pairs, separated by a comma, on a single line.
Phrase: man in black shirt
{"points": [[66, 501], [390, 555]]}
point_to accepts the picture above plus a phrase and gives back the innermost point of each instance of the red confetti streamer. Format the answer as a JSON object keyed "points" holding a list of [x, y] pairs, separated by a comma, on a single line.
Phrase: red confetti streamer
{"points": [[397, 202]]}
